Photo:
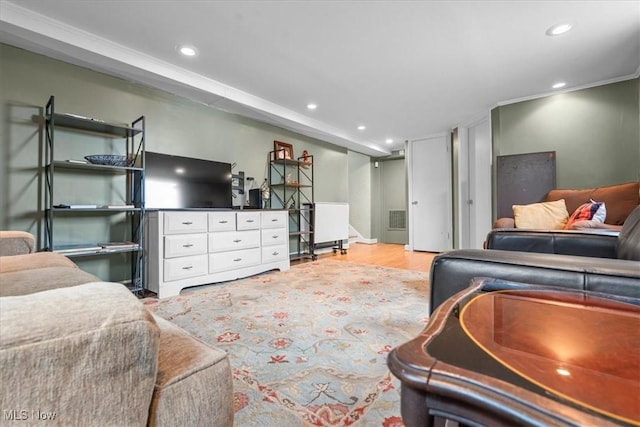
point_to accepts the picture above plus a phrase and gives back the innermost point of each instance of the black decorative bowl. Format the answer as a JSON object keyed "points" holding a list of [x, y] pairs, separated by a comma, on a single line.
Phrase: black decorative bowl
{"points": [[110, 160]]}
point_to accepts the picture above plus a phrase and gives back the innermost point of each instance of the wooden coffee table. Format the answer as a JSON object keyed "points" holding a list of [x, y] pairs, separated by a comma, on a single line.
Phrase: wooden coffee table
{"points": [[513, 354]]}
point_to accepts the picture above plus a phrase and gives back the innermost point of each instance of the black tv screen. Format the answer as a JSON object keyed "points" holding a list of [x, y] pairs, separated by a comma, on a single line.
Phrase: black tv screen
{"points": [[174, 182]]}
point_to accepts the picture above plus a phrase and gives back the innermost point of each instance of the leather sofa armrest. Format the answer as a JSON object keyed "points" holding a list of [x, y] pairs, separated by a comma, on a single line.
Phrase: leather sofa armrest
{"points": [[589, 243], [504, 223], [16, 243], [453, 271]]}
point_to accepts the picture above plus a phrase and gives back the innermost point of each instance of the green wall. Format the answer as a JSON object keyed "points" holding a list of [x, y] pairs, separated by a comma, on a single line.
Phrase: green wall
{"points": [[594, 131], [360, 193], [174, 125]]}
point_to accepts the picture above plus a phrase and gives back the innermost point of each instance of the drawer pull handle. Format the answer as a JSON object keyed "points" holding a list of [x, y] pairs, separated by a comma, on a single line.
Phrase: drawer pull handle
{"points": [[187, 222], [249, 220], [274, 220], [237, 259], [237, 241], [189, 267], [275, 236], [188, 245], [224, 221], [275, 253]]}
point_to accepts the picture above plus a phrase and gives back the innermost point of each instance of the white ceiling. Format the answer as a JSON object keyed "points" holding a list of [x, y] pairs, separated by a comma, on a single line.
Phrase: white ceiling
{"points": [[404, 69]]}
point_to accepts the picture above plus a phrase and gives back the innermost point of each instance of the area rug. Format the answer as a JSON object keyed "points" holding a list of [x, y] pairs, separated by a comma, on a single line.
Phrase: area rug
{"points": [[308, 346]]}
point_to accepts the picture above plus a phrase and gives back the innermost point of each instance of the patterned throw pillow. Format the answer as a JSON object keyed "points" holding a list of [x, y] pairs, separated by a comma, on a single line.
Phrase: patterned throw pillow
{"points": [[590, 211]]}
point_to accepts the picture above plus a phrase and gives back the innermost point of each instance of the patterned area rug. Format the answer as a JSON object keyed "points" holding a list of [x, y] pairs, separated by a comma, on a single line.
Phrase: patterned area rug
{"points": [[308, 346]]}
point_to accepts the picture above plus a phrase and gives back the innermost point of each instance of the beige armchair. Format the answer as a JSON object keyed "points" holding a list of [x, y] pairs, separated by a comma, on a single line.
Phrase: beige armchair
{"points": [[91, 354], [23, 271], [83, 357], [16, 243]]}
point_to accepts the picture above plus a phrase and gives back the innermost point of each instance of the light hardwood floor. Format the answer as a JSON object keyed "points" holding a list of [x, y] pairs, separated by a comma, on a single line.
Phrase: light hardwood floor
{"points": [[382, 254], [385, 255]]}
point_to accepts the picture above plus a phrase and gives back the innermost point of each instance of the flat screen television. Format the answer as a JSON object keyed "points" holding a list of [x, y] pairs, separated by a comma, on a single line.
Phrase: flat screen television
{"points": [[174, 182]]}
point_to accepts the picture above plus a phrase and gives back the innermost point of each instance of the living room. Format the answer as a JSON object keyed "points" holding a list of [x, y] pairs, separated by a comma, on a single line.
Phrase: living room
{"points": [[593, 128]]}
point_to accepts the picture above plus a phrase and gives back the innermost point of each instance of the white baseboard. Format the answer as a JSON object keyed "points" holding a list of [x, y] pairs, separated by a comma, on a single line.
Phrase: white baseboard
{"points": [[356, 237], [367, 241]]}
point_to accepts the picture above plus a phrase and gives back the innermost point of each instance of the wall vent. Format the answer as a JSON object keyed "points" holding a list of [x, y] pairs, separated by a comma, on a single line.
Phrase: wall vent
{"points": [[397, 220]]}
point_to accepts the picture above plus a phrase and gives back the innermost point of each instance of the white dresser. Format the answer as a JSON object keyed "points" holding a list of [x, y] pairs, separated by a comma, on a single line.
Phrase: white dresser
{"points": [[189, 248]]}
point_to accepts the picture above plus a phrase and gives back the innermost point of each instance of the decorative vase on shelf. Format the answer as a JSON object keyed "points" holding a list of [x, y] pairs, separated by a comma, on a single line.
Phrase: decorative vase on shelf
{"points": [[306, 160], [264, 189]]}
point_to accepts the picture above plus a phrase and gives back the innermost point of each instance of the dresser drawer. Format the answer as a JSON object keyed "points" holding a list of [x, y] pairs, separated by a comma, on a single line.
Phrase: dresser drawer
{"points": [[222, 221], [223, 261], [248, 220], [185, 222], [182, 268], [233, 240], [274, 253], [274, 236], [276, 219], [185, 244]]}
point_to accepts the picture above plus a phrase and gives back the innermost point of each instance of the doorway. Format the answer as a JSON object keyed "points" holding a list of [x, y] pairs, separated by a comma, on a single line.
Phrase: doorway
{"points": [[430, 195], [392, 194], [473, 185]]}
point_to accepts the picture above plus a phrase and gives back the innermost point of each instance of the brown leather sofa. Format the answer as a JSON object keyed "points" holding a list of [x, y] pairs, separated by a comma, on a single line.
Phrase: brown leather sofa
{"points": [[589, 242], [592, 243], [617, 274], [620, 200]]}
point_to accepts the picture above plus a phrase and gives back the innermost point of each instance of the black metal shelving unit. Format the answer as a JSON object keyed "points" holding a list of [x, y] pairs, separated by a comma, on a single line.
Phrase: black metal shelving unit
{"points": [[132, 209], [291, 188]]}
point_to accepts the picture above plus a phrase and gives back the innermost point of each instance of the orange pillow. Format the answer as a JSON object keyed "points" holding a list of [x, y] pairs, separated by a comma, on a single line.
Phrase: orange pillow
{"points": [[590, 211]]}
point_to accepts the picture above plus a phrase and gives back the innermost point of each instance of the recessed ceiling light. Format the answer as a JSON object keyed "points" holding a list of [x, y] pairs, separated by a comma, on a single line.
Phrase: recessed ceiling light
{"points": [[187, 50], [362, 127], [179, 171], [556, 30], [559, 85], [389, 141], [311, 106]]}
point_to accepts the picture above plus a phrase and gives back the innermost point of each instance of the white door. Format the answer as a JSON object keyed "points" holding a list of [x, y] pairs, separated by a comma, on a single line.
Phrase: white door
{"points": [[430, 202], [474, 184], [479, 180]]}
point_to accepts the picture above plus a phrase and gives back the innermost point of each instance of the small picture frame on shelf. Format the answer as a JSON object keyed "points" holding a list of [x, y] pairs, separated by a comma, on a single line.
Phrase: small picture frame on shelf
{"points": [[283, 150]]}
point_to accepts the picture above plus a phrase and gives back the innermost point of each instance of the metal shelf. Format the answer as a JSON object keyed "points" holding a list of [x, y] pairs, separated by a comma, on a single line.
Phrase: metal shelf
{"points": [[291, 188], [88, 251], [290, 162], [94, 210], [88, 124], [292, 185], [133, 139], [300, 233], [65, 164], [295, 256]]}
